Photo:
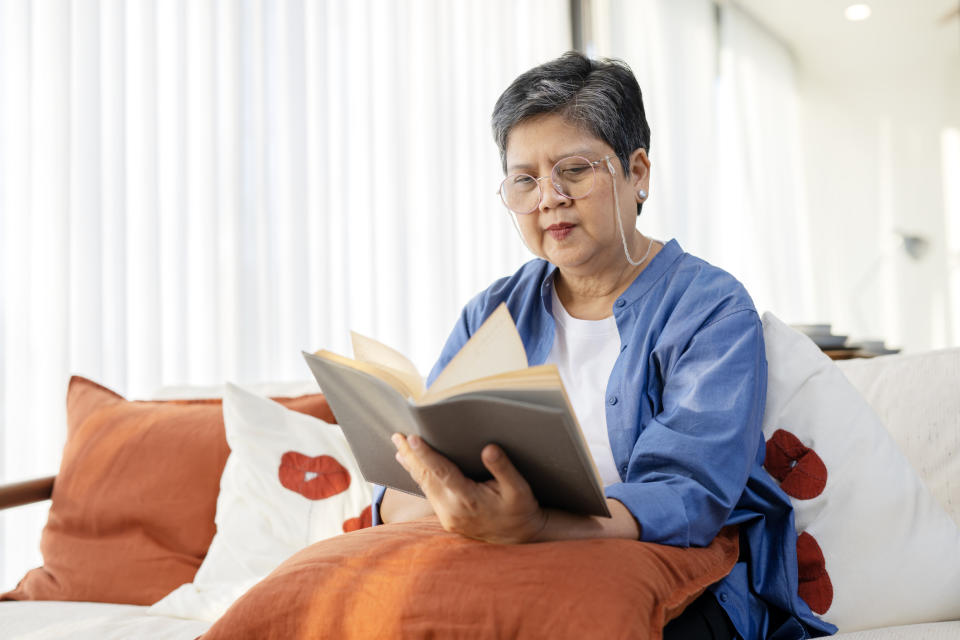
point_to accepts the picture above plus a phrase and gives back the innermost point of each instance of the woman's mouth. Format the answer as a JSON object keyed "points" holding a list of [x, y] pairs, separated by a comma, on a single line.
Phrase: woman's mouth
{"points": [[560, 230]]}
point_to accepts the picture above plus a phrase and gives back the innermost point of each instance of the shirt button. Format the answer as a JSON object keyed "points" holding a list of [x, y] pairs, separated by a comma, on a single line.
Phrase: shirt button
{"points": [[623, 469], [621, 302], [723, 597], [612, 400]]}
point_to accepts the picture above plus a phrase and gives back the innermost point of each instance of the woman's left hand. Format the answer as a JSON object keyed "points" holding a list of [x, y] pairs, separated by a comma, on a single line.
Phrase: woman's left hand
{"points": [[501, 510]]}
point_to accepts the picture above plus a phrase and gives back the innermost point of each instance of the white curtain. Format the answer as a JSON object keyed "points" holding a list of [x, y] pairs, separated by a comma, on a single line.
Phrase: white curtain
{"points": [[671, 47], [193, 191], [721, 99], [760, 231]]}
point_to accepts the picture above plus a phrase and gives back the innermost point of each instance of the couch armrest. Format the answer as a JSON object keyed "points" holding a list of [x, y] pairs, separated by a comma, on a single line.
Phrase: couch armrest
{"points": [[20, 493]]}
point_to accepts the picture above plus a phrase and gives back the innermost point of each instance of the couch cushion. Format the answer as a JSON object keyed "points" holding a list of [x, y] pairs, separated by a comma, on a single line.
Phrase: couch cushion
{"points": [[917, 397], [132, 511], [874, 547], [414, 580], [928, 631], [290, 480]]}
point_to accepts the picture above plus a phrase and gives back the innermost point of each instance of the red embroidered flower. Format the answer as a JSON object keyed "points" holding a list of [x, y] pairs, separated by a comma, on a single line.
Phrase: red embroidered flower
{"points": [[815, 586], [364, 520], [799, 469], [313, 478], [802, 475]]}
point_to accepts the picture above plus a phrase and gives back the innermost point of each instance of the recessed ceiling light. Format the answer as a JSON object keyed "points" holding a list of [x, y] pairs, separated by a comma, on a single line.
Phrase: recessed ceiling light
{"points": [[857, 12]]}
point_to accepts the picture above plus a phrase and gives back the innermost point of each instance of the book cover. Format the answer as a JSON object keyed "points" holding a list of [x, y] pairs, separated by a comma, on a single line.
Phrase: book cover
{"points": [[481, 397]]}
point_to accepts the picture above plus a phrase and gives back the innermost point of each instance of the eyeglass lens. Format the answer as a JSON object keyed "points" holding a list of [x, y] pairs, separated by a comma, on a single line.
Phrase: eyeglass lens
{"points": [[572, 177]]}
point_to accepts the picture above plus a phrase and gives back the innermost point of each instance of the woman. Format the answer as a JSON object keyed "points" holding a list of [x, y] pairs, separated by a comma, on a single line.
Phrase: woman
{"points": [[662, 355]]}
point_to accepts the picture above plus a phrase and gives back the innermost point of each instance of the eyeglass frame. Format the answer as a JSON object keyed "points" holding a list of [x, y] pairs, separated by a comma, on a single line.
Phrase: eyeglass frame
{"points": [[593, 165]]}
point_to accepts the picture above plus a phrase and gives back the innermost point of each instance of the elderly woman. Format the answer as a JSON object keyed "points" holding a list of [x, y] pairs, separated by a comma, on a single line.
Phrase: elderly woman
{"points": [[661, 353]]}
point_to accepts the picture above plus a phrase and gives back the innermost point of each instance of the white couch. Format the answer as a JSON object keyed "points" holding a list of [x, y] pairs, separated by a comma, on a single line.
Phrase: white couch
{"points": [[916, 396]]}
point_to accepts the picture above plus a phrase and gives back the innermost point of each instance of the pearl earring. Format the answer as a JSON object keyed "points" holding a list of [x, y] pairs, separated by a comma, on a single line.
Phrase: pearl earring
{"points": [[641, 194]]}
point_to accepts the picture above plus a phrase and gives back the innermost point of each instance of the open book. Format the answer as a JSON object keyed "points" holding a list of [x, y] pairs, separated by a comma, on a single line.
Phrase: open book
{"points": [[486, 394]]}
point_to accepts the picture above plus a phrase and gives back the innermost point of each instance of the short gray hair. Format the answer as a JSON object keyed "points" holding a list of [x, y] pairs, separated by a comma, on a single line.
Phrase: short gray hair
{"points": [[601, 96]]}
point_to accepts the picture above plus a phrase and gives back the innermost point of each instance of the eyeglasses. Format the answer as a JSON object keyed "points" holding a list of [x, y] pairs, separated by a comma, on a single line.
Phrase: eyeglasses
{"points": [[573, 178]]}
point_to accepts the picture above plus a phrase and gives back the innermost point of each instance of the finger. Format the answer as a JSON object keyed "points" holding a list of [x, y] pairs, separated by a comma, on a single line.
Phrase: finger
{"points": [[402, 461], [512, 483], [432, 471], [437, 465], [407, 459]]}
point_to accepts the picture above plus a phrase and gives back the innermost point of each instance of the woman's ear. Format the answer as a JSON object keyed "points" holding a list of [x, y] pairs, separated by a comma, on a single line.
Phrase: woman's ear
{"points": [[640, 170]]}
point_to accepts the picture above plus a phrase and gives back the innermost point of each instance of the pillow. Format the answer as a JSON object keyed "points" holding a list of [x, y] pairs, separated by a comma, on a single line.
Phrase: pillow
{"points": [[927, 428], [290, 480], [133, 505], [874, 548], [415, 580], [266, 389]]}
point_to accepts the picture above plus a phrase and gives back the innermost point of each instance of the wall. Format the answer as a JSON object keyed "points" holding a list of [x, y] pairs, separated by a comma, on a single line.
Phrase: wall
{"points": [[873, 163]]}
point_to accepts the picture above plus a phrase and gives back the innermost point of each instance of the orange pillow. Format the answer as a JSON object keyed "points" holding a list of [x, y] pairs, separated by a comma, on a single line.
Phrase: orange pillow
{"points": [[414, 580], [133, 506]]}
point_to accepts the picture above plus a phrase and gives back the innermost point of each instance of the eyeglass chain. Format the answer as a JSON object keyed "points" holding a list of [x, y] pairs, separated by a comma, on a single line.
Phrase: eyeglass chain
{"points": [[623, 236]]}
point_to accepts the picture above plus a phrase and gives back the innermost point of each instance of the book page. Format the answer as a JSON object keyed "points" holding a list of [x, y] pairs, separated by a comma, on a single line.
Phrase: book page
{"points": [[369, 350], [386, 374], [545, 376], [495, 348]]}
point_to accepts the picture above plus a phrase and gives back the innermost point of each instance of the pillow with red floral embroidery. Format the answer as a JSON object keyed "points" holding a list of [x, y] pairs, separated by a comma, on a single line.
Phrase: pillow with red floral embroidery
{"points": [[290, 481], [874, 547]]}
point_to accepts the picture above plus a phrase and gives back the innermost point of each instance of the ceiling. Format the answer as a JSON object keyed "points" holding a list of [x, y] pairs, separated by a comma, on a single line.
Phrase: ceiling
{"points": [[900, 39]]}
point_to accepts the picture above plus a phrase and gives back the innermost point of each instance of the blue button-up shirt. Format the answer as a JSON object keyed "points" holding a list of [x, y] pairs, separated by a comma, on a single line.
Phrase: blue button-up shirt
{"points": [[684, 406]]}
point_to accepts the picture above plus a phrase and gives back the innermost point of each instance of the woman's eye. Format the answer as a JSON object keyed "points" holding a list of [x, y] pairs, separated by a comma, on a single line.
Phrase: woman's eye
{"points": [[577, 171], [523, 182]]}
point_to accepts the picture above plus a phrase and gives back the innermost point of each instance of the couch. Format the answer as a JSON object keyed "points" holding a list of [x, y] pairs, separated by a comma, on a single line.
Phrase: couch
{"points": [[915, 396]]}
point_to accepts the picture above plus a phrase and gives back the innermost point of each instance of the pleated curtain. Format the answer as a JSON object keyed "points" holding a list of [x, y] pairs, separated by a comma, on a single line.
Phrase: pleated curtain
{"points": [[194, 191]]}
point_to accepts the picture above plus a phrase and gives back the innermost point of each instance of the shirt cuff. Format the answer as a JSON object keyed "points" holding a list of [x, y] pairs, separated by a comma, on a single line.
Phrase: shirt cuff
{"points": [[378, 492], [659, 511]]}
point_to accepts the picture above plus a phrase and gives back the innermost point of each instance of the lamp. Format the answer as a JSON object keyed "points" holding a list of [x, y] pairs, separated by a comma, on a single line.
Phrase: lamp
{"points": [[916, 246]]}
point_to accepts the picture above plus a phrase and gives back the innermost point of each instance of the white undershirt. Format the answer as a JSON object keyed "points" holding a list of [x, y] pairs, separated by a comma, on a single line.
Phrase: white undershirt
{"points": [[585, 352]]}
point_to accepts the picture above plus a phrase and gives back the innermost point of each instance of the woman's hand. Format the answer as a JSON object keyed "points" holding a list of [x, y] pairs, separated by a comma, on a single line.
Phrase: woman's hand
{"points": [[501, 510]]}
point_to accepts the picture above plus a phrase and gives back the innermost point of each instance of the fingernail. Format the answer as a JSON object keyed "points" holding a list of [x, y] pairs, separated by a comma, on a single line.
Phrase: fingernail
{"points": [[414, 442], [399, 458], [493, 454], [397, 440]]}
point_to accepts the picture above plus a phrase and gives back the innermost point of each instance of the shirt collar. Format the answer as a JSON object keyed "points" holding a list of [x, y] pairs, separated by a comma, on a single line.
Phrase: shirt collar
{"points": [[661, 263]]}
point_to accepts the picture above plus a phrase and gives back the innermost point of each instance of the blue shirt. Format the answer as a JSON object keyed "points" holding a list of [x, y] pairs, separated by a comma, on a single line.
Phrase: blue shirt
{"points": [[684, 407]]}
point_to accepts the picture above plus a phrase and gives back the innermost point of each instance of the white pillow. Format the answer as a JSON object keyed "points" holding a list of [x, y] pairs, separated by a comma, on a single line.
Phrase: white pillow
{"points": [[291, 389], [260, 521], [891, 553]]}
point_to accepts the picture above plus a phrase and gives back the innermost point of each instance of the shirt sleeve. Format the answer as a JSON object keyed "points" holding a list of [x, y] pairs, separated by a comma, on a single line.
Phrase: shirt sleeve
{"points": [[691, 461]]}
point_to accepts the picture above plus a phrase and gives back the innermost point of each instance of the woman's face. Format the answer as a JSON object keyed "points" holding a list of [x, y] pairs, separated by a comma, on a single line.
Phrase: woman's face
{"points": [[579, 236]]}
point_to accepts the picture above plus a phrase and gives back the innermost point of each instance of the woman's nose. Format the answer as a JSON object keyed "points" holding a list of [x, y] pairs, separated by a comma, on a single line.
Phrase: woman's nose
{"points": [[551, 197]]}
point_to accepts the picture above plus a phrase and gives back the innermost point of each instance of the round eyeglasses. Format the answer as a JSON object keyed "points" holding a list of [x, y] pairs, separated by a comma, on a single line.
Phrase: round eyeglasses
{"points": [[573, 178]]}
